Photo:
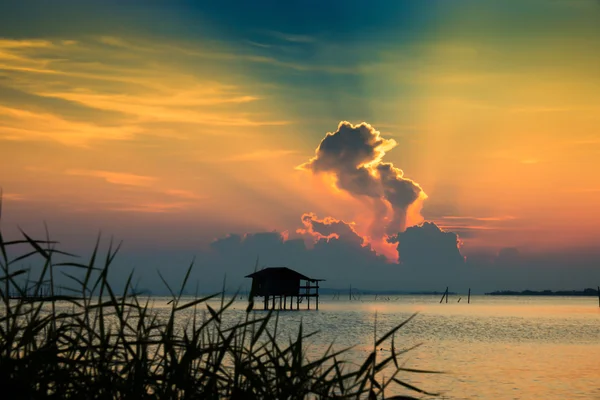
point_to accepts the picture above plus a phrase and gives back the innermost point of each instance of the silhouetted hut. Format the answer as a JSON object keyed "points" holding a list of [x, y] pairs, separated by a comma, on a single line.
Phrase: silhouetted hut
{"points": [[281, 283]]}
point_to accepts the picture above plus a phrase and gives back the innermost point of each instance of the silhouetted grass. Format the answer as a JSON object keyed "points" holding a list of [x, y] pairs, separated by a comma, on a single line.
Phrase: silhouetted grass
{"points": [[97, 344]]}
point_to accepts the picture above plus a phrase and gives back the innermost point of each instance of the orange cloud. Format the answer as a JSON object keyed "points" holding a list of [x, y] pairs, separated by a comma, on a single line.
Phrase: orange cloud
{"points": [[329, 228], [353, 156], [153, 207], [186, 194], [11, 196], [23, 125], [117, 178], [260, 155], [76, 92], [502, 218]]}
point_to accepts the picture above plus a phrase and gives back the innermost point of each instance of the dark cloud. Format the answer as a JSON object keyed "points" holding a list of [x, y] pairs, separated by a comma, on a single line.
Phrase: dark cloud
{"points": [[349, 148], [353, 154], [427, 244], [329, 228], [431, 260], [268, 244], [223, 244], [337, 253], [400, 192], [508, 255], [464, 232], [434, 264]]}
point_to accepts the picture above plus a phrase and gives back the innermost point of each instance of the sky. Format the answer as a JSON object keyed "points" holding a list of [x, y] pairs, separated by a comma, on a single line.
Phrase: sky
{"points": [[400, 145]]}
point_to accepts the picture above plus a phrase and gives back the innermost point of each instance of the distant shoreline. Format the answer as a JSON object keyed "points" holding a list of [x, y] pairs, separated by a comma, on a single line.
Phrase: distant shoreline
{"points": [[586, 292]]}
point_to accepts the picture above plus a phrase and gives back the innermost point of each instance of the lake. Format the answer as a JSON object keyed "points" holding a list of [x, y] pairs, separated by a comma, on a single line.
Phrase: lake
{"points": [[494, 348]]}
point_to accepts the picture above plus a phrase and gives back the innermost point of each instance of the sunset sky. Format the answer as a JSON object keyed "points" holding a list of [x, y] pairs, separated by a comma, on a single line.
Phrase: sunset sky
{"points": [[171, 125]]}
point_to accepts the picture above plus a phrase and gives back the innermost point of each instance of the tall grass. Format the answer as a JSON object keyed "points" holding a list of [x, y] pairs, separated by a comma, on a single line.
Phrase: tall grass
{"points": [[95, 343]]}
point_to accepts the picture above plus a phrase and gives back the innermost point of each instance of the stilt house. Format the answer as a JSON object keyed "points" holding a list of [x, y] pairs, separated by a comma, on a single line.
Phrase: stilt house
{"points": [[278, 284]]}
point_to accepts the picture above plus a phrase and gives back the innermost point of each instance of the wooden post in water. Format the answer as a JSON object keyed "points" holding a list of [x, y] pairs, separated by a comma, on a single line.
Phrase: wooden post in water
{"points": [[446, 294], [350, 293], [308, 293], [469, 298], [598, 296], [317, 295]]}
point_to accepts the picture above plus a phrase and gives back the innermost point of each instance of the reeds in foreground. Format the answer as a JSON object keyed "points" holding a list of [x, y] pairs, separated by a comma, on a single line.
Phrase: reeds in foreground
{"points": [[98, 344]]}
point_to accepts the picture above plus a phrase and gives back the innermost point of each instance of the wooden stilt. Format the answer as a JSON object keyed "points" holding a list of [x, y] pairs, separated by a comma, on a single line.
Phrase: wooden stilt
{"points": [[317, 287], [469, 298], [444, 295]]}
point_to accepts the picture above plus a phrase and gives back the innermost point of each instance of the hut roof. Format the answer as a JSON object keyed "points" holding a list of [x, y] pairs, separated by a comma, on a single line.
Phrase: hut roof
{"points": [[281, 272]]}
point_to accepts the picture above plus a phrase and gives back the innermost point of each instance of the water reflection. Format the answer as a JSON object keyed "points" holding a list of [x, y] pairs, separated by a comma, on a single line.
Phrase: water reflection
{"points": [[493, 348]]}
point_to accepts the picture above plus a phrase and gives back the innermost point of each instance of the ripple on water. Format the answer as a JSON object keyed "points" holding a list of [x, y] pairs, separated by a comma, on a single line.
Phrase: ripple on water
{"points": [[494, 348]]}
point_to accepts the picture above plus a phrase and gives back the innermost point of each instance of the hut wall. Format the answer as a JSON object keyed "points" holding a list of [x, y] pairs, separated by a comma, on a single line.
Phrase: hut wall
{"points": [[275, 287]]}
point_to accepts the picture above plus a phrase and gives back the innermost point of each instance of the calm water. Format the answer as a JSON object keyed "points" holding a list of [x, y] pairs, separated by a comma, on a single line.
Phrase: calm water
{"points": [[493, 348]]}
